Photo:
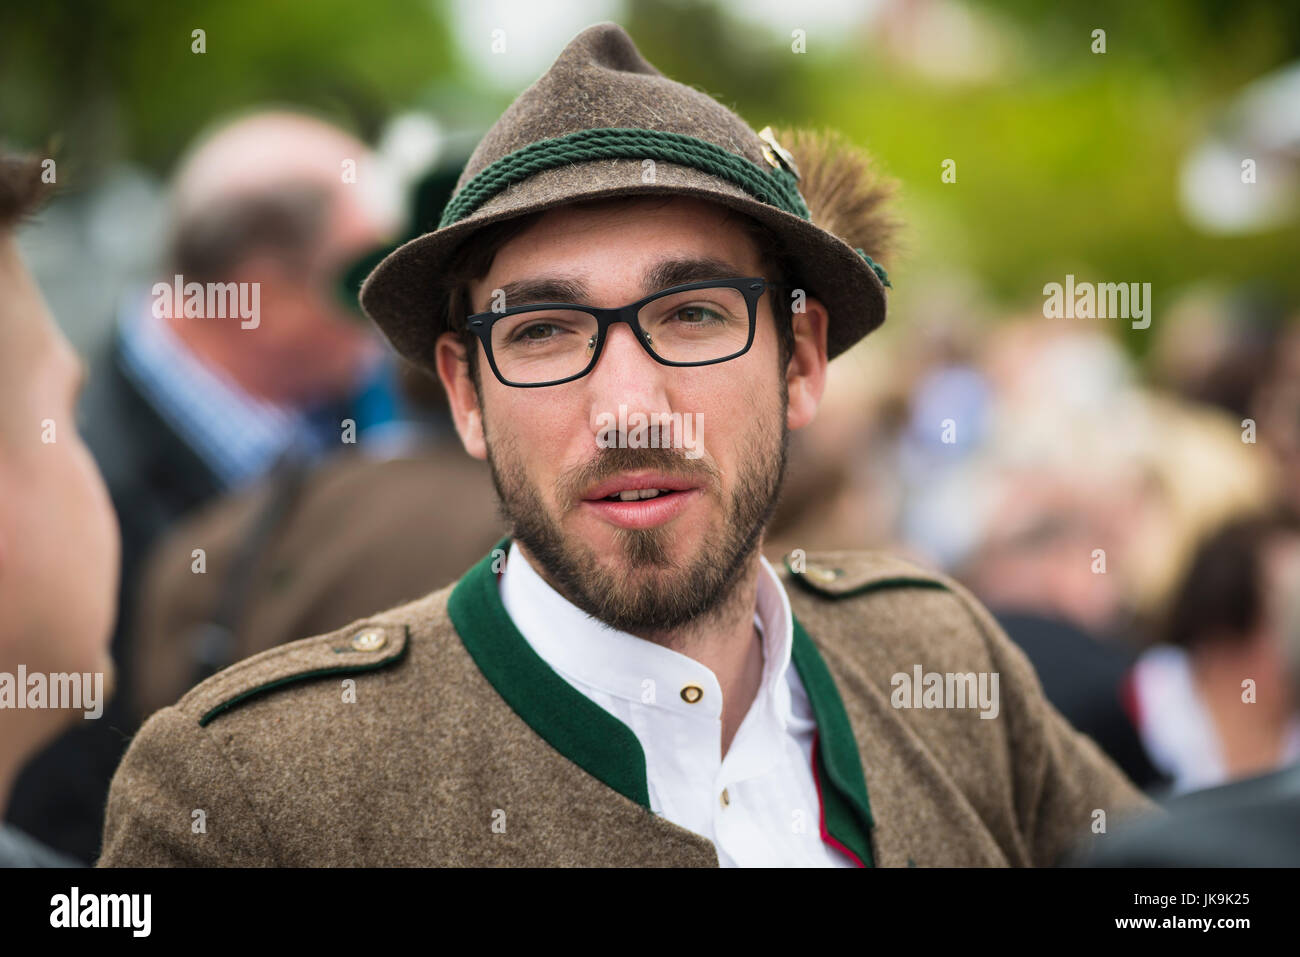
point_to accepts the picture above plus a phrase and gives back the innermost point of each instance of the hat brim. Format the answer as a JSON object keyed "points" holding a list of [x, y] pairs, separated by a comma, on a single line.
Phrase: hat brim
{"points": [[406, 298]]}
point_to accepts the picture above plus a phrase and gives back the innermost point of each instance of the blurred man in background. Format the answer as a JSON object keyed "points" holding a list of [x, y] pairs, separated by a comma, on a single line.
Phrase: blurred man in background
{"points": [[314, 546], [188, 403], [58, 538], [1217, 701], [1250, 821]]}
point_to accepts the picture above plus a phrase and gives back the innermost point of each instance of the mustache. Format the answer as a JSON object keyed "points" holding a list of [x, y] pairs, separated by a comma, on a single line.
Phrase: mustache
{"points": [[614, 461]]}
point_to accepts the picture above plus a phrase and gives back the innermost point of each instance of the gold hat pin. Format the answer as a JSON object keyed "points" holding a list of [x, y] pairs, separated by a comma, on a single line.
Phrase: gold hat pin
{"points": [[776, 154]]}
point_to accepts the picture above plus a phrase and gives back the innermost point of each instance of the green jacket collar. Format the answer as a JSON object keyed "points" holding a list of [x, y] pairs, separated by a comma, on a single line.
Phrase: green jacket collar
{"points": [[605, 748]]}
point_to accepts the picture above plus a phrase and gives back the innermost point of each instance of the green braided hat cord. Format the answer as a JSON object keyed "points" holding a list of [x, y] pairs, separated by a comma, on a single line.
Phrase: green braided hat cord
{"points": [[777, 187], [878, 269]]}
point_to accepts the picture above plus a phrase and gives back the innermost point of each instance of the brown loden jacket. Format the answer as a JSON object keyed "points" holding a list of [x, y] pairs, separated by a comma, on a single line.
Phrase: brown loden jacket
{"points": [[432, 735]]}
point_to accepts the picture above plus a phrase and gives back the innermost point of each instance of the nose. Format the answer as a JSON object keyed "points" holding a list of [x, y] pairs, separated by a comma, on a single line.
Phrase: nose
{"points": [[626, 374]]}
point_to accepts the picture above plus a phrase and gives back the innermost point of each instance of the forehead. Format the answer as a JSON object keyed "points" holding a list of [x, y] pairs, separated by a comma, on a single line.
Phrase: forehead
{"points": [[616, 247]]}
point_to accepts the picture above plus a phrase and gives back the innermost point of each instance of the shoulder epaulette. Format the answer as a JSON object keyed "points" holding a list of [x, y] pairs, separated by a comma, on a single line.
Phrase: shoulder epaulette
{"points": [[360, 647], [843, 574]]}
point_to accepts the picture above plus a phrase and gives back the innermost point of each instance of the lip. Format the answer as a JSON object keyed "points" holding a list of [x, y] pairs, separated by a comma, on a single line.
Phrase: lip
{"points": [[636, 480], [644, 513]]}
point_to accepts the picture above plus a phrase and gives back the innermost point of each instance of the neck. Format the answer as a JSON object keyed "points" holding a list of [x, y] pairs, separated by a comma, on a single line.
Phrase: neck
{"points": [[1251, 734], [724, 640], [25, 733]]}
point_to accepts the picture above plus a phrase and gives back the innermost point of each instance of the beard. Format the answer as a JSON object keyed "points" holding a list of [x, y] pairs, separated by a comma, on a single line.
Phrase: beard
{"points": [[650, 593]]}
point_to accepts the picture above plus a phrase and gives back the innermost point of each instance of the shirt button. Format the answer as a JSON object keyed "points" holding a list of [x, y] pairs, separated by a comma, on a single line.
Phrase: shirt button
{"points": [[691, 694], [725, 798]]}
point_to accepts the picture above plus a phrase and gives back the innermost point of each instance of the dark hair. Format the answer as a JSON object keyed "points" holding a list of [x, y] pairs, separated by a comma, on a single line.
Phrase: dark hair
{"points": [[474, 258], [22, 190], [207, 243], [1222, 595]]}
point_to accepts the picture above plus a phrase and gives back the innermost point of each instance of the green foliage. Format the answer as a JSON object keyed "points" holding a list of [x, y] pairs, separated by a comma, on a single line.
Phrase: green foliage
{"points": [[120, 77], [1067, 161]]}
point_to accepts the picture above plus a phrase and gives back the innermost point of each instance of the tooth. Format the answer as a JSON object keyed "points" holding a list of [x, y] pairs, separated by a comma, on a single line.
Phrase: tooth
{"points": [[630, 496], [649, 492]]}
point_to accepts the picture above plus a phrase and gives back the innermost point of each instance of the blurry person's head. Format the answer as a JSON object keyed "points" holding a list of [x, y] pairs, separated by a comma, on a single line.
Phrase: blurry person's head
{"points": [[1233, 604], [286, 202], [58, 533], [1276, 411], [648, 569], [1037, 552], [1214, 344]]}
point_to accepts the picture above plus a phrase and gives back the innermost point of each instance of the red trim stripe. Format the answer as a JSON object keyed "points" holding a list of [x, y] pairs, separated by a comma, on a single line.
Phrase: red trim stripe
{"points": [[821, 811], [1129, 699]]}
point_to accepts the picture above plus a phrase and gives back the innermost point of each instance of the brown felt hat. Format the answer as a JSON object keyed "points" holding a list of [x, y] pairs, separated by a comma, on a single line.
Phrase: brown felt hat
{"points": [[585, 130]]}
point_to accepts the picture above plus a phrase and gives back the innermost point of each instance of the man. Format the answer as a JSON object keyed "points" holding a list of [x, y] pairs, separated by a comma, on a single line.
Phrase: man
{"points": [[308, 550], [626, 682], [1217, 699], [58, 537], [188, 404], [1252, 820]]}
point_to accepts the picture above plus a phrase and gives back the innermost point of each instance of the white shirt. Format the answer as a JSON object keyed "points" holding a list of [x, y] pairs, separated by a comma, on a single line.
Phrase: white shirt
{"points": [[759, 804]]}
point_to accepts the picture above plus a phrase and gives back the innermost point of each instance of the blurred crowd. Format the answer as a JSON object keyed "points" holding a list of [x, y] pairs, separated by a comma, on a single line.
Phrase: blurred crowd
{"points": [[1130, 521], [1131, 524]]}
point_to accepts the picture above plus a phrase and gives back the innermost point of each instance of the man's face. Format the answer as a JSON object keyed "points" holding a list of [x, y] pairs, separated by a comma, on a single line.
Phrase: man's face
{"points": [[651, 565], [308, 347], [59, 546]]}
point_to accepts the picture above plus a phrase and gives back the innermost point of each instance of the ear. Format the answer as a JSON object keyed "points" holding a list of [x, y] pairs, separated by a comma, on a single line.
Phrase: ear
{"points": [[453, 370], [805, 376]]}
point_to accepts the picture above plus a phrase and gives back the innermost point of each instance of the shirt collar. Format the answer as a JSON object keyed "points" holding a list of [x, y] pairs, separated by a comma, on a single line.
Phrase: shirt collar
{"points": [[582, 648], [238, 435]]}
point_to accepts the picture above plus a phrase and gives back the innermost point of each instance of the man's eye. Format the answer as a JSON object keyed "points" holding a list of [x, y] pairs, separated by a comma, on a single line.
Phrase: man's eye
{"points": [[537, 331], [697, 316]]}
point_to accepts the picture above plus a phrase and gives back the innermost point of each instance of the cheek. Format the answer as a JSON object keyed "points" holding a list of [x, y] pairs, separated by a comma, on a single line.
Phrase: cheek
{"points": [[99, 505], [93, 545], [734, 415], [103, 549], [535, 436], [295, 316], [66, 551]]}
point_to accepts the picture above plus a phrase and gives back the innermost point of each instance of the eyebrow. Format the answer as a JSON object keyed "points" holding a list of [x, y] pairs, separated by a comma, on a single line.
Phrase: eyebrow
{"points": [[662, 275]]}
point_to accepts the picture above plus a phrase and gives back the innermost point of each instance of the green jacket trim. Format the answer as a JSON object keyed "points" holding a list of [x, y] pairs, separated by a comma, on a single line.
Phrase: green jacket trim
{"points": [[576, 726], [297, 677], [605, 747], [846, 809]]}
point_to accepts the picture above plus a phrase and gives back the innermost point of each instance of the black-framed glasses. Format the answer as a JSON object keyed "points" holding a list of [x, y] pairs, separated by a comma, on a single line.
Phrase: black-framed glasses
{"points": [[548, 343]]}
